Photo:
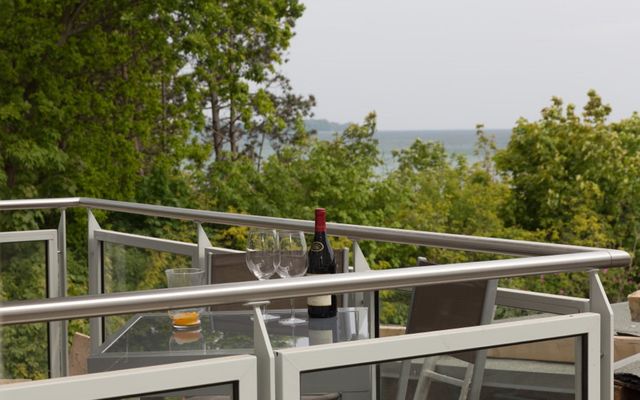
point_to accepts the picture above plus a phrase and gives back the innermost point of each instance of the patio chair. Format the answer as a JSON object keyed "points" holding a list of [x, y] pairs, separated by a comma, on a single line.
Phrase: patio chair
{"points": [[449, 306], [79, 353]]}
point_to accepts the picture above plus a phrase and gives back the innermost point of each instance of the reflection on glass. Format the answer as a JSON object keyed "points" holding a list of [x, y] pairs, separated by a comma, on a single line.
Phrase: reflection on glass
{"points": [[543, 370], [129, 269], [220, 391], [187, 340], [503, 312], [148, 339], [23, 348]]}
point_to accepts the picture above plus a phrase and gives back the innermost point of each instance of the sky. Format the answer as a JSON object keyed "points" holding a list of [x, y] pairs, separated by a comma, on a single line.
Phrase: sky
{"points": [[450, 64]]}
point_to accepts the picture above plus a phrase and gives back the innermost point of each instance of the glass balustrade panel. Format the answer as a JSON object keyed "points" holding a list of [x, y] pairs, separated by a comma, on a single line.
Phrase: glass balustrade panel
{"points": [[129, 269], [223, 391], [544, 370], [24, 347]]}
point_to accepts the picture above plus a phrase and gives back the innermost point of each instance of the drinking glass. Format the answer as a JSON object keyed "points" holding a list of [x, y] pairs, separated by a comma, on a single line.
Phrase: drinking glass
{"points": [[262, 257], [293, 263], [185, 318]]}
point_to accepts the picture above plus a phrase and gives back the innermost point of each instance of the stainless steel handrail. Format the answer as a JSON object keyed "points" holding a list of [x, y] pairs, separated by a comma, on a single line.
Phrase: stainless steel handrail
{"points": [[356, 232], [163, 299]]}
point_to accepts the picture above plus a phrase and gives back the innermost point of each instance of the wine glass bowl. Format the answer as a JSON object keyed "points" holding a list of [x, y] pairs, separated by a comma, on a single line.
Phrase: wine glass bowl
{"points": [[262, 256], [293, 254], [292, 263]]}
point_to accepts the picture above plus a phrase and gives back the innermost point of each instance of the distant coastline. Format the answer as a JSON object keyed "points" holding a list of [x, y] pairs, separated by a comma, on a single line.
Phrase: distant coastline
{"points": [[324, 125], [455, 141]]}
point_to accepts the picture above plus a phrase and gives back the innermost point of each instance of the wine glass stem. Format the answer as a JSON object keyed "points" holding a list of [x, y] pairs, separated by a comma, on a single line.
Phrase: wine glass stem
{"points": [[293, 314]]}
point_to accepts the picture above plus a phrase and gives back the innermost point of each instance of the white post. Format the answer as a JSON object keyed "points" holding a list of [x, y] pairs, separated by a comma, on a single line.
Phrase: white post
{"points": [[600, 304], [264, 355], [203, 245], [95, 278], [368, 299], [57, 332]]}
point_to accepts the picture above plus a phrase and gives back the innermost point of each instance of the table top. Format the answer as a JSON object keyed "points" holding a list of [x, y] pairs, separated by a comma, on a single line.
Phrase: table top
{"points": [[152, 340]]}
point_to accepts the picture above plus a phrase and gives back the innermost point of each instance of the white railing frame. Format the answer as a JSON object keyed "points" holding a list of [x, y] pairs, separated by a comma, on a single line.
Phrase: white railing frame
{"points": [[291, 363], [55, 287], [136, 381]]}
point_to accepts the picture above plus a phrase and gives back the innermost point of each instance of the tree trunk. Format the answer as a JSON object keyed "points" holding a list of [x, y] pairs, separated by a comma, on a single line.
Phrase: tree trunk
{"points": [[232, 133], [163, 123], [216, 133], [10, 171]]}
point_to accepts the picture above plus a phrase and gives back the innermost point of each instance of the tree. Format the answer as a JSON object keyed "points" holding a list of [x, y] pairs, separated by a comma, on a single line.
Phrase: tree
{"points": [[571, 176], [575, 180], [97, 99], [83, 83], [234, 49], [336, 174]]}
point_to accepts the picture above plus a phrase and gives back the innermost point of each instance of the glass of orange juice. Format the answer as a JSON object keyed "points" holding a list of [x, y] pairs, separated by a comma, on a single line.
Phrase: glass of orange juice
{"points": [[185, 318]]}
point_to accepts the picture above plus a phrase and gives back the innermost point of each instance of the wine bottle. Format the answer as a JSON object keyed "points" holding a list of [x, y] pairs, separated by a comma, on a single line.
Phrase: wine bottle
{"points": [[321, 261]]}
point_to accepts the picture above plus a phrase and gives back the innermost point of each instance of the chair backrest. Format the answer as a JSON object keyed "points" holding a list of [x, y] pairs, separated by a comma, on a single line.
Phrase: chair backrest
{"points": [[232, 267], [79, 354], [452, 305]]}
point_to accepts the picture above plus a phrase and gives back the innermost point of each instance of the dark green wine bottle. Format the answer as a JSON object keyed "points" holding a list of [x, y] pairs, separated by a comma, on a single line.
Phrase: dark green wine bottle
{"points": [[321, 261]]}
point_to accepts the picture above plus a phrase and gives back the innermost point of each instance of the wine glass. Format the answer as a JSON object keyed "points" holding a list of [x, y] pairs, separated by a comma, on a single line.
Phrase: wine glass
{"points": [[262, 257], [293, 263]]}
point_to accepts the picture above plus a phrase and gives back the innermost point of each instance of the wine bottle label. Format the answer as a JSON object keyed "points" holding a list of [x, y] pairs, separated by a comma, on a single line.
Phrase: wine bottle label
{"points": [[319, 301], [320, 336], [317, 247]]}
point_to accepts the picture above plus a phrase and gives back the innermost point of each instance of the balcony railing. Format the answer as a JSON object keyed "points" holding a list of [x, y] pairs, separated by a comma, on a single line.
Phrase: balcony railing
{"points": [[278, 373]]}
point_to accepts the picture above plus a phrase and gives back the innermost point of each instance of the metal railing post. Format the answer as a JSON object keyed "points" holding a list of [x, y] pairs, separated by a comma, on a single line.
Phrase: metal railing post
{"points": [[55, 328], [96, 330], [58, 344], [54, 288], [265, 355], [203, 245], [368, 299], [600, 304]]}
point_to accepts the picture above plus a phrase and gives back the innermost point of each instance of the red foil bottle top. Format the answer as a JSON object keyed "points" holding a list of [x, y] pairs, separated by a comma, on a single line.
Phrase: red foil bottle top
{"points": [[321, 220]]}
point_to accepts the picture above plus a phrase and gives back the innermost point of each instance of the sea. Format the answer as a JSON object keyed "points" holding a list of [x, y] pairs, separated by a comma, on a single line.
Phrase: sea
{"points": [[455, 141]]}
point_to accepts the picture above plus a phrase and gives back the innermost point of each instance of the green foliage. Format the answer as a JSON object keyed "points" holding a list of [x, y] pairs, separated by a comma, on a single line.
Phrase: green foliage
{"points": [[234, 47], [105, 99], [22, 277], [573, 179], [82, 83], [394, 306], [569, 175], [432, 192], [336, 174]]}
